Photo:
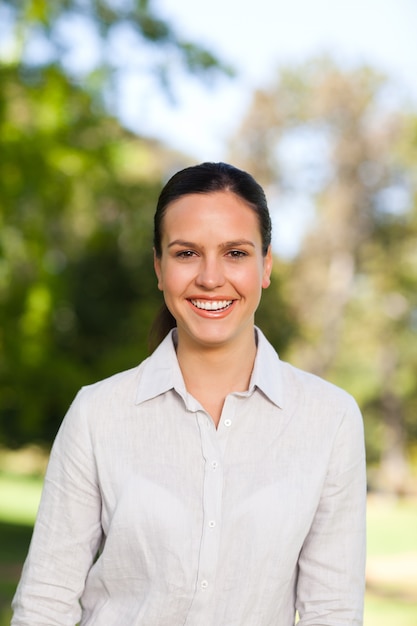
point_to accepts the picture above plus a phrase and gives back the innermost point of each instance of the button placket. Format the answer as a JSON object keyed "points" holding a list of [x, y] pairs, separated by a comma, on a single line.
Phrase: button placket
{"points": [[212, 497]]}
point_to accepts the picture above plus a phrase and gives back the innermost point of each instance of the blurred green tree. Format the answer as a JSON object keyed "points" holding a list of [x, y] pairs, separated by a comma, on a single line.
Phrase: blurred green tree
{"points": [[76, 204]]}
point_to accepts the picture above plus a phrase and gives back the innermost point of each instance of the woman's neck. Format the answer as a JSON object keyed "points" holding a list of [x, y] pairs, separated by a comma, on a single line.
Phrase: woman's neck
{"points": [[210, 374]]}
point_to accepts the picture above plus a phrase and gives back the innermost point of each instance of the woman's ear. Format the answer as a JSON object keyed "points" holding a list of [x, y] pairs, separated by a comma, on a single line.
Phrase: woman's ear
{"points": [[268, 261], [157, 268]]}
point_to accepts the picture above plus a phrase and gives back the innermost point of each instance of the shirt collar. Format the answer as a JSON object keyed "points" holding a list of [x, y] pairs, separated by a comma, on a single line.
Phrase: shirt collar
{"points": [[161, 371], [267, 371]]}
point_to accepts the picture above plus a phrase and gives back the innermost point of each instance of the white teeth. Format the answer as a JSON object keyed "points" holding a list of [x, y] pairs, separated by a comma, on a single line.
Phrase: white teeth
{"points": [[210, 305]]}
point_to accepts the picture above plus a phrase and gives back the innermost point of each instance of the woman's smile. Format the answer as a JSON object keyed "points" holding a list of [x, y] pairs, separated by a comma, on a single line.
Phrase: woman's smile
{"points": [[212, 305]]}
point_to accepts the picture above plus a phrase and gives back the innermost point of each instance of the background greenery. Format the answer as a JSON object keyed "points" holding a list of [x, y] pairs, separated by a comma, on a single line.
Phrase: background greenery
{"points": [[77, 291]]}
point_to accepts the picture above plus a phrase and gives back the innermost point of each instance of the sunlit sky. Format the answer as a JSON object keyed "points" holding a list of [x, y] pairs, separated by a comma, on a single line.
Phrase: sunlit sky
{"points": [[257, 38]]}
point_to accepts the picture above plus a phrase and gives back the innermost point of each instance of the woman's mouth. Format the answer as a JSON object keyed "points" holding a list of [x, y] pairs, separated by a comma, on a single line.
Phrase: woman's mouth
{"points": [[211, 305]]}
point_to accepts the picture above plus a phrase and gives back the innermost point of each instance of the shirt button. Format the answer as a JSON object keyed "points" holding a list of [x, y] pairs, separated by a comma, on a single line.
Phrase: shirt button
{"points": [[214, 465], [212, 523], [204, 584], [227, 422]]}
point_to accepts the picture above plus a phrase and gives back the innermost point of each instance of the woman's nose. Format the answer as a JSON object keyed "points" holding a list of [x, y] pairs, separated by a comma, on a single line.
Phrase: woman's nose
{"points": [[210, 274]]}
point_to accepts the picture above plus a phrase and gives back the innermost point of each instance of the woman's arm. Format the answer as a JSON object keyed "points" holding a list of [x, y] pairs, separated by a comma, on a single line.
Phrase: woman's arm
{"points": [[67, 532], [331, 581]]}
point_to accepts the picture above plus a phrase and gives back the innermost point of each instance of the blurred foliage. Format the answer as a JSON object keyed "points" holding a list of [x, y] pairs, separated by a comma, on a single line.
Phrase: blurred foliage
{"points": [[76, 205], [326, 135], [275, 315], [100, 40]]}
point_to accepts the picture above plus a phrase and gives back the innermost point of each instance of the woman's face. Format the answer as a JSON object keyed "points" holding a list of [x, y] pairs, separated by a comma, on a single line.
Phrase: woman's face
{"points": [[212, 269]]}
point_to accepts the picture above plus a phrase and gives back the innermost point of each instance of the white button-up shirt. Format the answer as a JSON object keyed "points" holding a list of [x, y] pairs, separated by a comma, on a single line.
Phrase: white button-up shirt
{"points": [[194, 526]]}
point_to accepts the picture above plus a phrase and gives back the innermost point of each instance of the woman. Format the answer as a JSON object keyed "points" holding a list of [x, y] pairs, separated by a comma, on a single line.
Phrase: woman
{"points": [[213, 485]]}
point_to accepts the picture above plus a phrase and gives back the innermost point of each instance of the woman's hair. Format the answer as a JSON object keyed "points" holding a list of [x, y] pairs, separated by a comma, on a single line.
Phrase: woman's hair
{"points": [[206, 178]]}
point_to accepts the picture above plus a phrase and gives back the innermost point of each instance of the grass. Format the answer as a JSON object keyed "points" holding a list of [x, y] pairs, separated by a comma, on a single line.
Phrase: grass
{"points": [[386, 517], [391, 597], [19, 498], [14, 542]]}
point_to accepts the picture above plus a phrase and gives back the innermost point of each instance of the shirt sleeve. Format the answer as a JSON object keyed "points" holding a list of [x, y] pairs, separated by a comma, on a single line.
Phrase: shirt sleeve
{"points": [[331, 581], [67, 532]]}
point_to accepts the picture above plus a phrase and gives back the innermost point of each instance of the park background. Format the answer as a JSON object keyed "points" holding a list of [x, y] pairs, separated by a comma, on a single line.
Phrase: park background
{"points": [[100, 102]]}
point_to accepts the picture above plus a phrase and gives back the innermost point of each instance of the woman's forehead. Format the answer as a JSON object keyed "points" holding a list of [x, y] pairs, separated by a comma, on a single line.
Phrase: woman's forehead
{"points": [[203, 204]]}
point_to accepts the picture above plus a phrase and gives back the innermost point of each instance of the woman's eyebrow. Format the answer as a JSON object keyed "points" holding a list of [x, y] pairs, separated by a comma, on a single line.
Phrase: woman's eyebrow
{"points": [[237, 243], [181, 242]]}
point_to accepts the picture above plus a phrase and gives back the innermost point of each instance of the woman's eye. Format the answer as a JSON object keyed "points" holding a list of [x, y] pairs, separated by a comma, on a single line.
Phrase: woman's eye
{"points": [[185, 254]]}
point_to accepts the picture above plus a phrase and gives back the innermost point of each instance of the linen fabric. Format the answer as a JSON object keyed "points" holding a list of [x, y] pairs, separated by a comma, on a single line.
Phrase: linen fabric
{"points": [[152, 517]]}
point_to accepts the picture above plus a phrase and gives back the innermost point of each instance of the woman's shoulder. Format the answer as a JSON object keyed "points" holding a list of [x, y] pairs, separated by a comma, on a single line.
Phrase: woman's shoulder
{"points": [[120, 383], [315, 390]]}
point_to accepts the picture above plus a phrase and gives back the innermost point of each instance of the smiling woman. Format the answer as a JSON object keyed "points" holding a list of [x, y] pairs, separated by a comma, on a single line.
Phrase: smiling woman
{"points": [[213, 484]]}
